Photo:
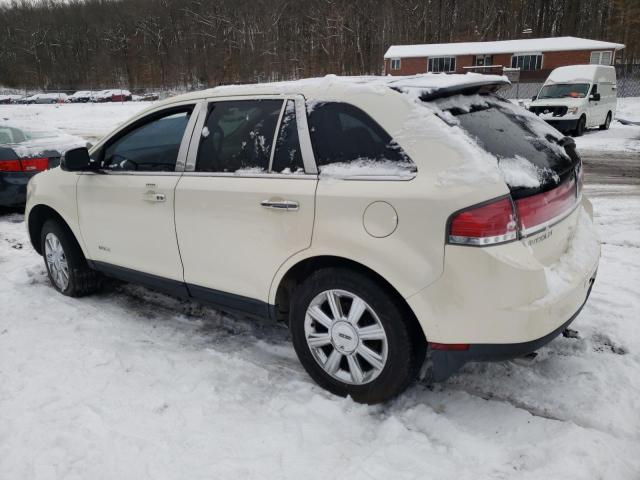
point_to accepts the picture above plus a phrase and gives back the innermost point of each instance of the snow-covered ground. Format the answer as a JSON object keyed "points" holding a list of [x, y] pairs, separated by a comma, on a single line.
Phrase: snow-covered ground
{"points": [[132, 384], [88, 120]]}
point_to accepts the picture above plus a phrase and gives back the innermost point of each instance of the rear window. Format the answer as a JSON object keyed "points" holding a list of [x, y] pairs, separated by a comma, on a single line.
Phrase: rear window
{"points": [[510, 133]]}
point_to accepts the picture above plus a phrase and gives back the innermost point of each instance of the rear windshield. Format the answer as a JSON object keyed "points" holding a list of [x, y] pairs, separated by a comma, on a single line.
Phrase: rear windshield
{"points": [[509, 132], [564, 90]]}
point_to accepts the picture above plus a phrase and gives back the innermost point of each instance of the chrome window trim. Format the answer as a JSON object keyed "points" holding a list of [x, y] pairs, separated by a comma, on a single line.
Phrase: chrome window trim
{"points": [[306, 149], [304, 137], [276, 134], [293, 176], [135, 173], [186, 137]]}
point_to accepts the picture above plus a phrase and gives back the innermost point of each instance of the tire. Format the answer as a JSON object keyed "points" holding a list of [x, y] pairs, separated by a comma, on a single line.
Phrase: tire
{"points": [[580, 127], [59, 248], [607, 122], [396, 358]]}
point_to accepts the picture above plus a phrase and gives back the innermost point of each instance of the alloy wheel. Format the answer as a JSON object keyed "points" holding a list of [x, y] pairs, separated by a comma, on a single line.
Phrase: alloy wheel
{"points": [[56, 261], [346, 337]]}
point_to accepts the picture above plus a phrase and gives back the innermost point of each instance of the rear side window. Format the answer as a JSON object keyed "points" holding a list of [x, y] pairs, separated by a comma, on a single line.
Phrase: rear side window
{"points": [[238, 135], [342, 133], [152, 146], [287, 157]]}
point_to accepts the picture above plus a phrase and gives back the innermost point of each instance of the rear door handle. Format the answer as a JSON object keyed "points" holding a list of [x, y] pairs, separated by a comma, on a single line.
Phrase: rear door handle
{"points": [[288, 205], [154, 197]]}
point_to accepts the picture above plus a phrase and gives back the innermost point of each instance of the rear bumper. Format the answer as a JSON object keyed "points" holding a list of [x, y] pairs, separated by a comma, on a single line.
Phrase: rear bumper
{"points": [[446, 363]]}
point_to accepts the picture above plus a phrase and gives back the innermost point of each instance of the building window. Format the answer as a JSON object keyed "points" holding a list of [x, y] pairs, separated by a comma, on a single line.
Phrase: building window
{"points": [[528, 61], [441, 64], [395, 64], [601, 58]]}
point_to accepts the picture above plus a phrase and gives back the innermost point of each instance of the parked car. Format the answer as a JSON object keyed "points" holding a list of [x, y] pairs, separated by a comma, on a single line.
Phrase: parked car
{"points": [[7, 99], [24, 152], [368, 213], [113, 95], [81, 96], [149, 97], [578, 97], [46, 98]]}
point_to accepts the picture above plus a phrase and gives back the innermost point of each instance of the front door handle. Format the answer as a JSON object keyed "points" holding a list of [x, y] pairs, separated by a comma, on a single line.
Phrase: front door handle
{"points": [[154, 197], [288, 205]]}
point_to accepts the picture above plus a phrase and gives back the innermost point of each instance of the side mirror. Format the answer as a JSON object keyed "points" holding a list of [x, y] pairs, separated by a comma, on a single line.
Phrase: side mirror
{"points": [[77, 160], [533, 99], [595, 97]]}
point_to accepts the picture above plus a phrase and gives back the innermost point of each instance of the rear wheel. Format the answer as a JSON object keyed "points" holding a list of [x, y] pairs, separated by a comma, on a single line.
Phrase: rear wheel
{"points": [[66, 265], [580, 127], [607, 122], [353, 337]]}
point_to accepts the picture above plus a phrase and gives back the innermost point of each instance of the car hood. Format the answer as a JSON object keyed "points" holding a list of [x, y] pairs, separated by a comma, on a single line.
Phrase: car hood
{"points": [[557, 102]]}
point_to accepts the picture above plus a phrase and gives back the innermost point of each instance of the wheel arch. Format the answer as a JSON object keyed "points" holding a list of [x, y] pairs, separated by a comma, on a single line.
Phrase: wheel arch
{"points": [[297, 273], [38, 215]]}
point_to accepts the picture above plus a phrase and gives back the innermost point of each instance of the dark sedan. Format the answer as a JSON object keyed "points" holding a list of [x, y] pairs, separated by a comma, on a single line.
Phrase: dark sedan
{"points": [[24, 152]]}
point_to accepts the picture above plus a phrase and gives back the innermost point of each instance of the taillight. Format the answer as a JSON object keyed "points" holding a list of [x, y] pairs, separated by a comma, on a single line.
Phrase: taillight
{"points": [[10, 166], [27, 165], [536, 210], [34, 164], [485, 224], [503, 220]]}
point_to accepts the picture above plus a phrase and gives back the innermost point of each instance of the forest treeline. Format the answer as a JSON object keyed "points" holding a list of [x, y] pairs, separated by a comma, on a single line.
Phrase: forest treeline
{"points": [[171, 43]]}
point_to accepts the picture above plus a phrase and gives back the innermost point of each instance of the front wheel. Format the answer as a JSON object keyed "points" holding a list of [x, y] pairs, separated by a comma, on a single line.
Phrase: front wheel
{"points": [[580, 127], [353, 337], [66, 265]]}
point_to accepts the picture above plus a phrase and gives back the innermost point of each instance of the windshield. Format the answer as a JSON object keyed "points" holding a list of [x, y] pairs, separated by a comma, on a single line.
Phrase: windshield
{"points": [[563, 90]]}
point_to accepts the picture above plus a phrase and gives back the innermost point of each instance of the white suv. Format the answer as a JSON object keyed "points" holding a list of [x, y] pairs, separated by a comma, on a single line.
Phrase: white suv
{"points": [[381, 217]]}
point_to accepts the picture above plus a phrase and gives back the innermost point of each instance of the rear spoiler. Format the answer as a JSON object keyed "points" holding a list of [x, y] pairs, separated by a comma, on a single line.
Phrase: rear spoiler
{"points": [[479, 87]]}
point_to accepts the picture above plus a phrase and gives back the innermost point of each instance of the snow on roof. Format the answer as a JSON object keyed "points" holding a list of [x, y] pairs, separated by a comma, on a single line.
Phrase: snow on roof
{"points": [[315, 88], [553, 44], [588, 73]]}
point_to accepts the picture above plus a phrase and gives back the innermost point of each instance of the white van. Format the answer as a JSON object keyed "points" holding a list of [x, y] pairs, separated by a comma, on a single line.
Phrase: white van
{"points": [[577, 97]]}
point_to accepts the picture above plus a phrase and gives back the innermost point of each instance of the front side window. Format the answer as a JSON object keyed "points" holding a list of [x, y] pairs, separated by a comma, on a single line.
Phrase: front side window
{"points": [[441, 64], [601, 58], [151, 146], [238, 135], [527, 62], [342, 133], [395, 64]]}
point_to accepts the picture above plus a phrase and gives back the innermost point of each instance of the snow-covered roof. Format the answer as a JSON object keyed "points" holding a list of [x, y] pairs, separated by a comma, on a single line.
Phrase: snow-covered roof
{"points": [[588, 73], [319, 87], [553, 44]]}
